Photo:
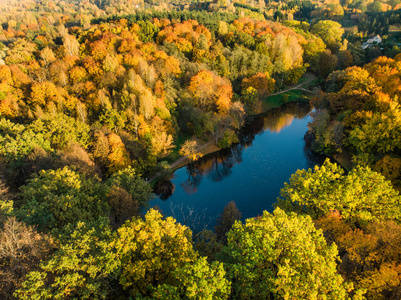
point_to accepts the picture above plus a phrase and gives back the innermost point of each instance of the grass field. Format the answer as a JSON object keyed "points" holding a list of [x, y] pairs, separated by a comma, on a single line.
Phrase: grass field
{"points": [[277, 100]]}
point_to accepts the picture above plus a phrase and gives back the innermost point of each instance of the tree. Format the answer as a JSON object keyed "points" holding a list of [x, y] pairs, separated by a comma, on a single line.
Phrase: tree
{"points": [[71, 45], [211, 92], [21, 51], [47, 56], [282, 256], [360, 196], [226, 220], [82, 267], [191, 150], [331, 33], [370, 254], [114, 119], [56, 198], [261, 82], [118, 157], [198, 280], [21, 250], [61, 130], [150, 250], [380, 132], [137, 188], [17, 141]]}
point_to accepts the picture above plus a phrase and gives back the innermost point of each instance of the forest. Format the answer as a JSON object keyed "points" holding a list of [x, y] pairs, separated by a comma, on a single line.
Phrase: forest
{"points": [[96, 97]]}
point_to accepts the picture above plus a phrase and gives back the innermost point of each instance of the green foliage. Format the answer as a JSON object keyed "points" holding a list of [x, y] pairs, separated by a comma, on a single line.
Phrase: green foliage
{"points": [[114, 119], [381, 133], [282, 256], [330, 32], [82, 267], [241, 38], [150, 250], [197, 280], [148, 31], [60, 130], [56, 198], [52, 132], [360, 196], [229, 137], [138, 188], [17, 141]]}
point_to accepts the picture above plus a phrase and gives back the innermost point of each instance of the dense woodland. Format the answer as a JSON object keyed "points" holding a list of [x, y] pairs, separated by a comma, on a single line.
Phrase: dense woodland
{"points": [[97, 96]]}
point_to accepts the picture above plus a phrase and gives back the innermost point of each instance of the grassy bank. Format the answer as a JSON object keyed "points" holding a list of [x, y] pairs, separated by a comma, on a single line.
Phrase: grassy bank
{"points": [[278, 100]]}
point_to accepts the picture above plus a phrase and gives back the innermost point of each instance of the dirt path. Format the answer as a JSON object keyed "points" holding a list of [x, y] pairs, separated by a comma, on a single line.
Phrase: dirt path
{"points": [[183, 160], [298, 86]]}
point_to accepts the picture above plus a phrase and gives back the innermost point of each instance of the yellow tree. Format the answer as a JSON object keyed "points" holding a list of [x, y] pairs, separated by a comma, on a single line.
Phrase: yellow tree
{"points": [[150, 250], [118, 157], [282, 256], [191, 150]]}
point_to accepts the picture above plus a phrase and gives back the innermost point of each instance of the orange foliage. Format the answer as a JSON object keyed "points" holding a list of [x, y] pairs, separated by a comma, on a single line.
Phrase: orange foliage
{"points": [[71, 60], [211, 91], [132, 58], [5, 75], [98, 50], [92, 67], [20, 78], [118, 157], [77, 74], [261, 82], [127, 45], [43, 94]]}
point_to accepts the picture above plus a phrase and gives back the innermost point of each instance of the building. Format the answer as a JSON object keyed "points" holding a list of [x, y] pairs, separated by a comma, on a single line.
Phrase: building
{"points": [[372, 41]]}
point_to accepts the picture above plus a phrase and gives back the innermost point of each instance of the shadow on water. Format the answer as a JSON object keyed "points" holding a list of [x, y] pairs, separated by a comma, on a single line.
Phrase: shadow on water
{"points": [[218, 166]]}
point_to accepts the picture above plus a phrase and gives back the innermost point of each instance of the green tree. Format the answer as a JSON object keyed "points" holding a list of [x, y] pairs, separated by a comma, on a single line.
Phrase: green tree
{"points": [[56, 198], [83, 266], [280, 256], [331, 33], [360, 196], [60, 130], [127, 195], [17, 141], [150, 250], [380, 133], [197, 280]]}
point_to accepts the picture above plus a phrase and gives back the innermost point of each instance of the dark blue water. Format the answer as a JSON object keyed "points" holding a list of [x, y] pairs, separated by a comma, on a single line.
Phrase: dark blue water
{"points": [[250, 173]]}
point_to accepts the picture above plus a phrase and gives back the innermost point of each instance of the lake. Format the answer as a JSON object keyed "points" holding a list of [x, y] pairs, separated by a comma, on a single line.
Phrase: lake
{"points": [[251, 173]]}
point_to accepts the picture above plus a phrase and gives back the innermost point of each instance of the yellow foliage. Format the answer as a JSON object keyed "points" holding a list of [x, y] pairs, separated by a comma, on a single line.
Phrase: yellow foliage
{"points": [[118, 157]]}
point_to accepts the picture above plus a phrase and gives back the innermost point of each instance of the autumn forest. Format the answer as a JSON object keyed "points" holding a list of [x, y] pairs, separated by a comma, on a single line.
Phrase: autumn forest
{"points": [[101, 100]]}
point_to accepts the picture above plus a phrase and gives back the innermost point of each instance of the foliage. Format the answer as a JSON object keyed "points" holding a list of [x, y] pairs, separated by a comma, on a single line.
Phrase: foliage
{"points": [[191, 150], [280, 255], [198, 280], [150, 249], [369, 254], [56, 198], [330, 32], [21, 250], [138, 189], [360, 196], [82, 267], [226, 220]]}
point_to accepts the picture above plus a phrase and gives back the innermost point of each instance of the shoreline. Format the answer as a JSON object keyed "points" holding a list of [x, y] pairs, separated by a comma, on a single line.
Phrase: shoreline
{"points": [[210, 146]]}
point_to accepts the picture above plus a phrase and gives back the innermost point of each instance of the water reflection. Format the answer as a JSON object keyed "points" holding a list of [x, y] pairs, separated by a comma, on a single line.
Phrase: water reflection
{"points": [[191, 185], [219, 165]]}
